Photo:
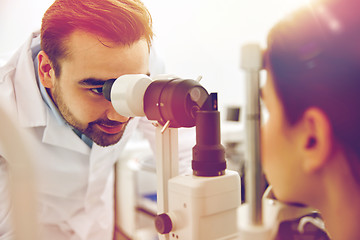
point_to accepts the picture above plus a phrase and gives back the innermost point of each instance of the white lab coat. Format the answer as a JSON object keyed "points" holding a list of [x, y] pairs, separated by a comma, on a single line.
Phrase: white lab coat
{"points": [[75, 183]]}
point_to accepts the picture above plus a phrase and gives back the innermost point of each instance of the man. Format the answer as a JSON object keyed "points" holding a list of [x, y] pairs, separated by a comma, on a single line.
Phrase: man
{"points": [[76, 135]]}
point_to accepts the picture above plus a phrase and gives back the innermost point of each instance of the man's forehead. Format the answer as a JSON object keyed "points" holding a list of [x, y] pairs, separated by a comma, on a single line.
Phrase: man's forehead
{"points": [[82, 42], [88, 57]]}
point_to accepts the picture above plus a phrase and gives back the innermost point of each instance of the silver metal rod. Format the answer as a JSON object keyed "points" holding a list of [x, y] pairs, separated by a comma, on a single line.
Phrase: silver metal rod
{"points": [[167, 166], [252, 64]]}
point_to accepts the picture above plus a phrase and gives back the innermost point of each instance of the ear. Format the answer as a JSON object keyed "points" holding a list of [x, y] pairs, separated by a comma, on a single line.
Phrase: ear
{"points": [[46, 71], [317, 140]]}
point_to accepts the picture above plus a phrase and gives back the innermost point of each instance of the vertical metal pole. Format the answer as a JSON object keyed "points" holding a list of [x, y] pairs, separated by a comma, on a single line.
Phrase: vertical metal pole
{"points": [[252, 63], [167, 166]]}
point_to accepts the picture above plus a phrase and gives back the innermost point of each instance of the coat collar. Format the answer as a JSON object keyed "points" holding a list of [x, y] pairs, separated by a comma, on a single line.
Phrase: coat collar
{"points": [[31, 108], [30, 105]]}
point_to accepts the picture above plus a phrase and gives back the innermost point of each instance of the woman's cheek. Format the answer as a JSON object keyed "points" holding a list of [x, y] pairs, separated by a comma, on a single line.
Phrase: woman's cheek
{"points": [[264, 148]]}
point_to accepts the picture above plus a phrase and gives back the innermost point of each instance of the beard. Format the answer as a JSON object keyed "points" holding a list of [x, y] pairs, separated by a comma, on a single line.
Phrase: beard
{"points": [[90, 129], [99, 137]]}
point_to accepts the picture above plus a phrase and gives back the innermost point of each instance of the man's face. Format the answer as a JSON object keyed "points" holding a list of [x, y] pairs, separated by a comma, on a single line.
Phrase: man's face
{"points": [[77, 91]]}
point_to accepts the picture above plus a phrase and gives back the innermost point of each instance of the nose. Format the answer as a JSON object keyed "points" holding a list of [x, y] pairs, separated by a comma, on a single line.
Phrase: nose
{"points": [[111, 114]]}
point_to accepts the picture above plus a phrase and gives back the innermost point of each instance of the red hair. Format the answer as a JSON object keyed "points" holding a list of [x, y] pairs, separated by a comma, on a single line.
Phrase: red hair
{"points": [[121, 21]]}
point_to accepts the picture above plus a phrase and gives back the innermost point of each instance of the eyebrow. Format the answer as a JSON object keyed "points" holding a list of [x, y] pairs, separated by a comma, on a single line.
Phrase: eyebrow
{"points": [[98, 82], [93, 82]]}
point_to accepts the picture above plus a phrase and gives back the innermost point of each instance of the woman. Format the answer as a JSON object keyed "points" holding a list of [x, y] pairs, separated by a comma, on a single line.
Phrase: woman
{"points": [[311, 140]]}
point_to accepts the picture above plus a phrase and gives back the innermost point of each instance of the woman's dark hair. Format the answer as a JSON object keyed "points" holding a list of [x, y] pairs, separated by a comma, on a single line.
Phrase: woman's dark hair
{"points": [[314, 56]]}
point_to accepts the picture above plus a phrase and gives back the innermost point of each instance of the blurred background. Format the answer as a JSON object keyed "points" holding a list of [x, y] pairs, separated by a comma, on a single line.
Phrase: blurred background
{"points": [[194, 37]]}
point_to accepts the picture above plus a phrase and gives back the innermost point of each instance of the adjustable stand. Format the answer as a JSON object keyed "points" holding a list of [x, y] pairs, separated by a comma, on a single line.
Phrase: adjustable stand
{"points": [[200, 204]]}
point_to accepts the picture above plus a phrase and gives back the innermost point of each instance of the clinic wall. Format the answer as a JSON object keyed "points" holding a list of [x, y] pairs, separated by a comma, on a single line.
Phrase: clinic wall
{"points": [[18, 18], [194, 37], [204, 37]]}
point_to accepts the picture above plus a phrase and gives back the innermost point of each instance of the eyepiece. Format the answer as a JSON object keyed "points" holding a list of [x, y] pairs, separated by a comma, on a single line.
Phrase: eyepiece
{"points": [[107, 88]]}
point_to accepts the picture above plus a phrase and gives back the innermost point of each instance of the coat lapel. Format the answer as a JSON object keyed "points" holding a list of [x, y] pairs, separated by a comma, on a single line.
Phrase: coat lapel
{"points": [[62, 135]]}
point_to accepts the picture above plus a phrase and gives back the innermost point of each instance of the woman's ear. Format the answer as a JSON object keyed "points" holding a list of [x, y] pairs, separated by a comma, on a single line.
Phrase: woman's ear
{"points": [[46, 70], [317, 140]]}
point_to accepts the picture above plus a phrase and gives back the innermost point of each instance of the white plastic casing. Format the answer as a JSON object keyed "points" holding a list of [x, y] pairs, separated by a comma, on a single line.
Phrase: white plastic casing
{"points": [[204, 208], [127, 94]]}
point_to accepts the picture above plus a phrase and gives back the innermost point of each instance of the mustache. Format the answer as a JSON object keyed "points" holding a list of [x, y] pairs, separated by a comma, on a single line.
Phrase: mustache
{"points": [[110, 123]]}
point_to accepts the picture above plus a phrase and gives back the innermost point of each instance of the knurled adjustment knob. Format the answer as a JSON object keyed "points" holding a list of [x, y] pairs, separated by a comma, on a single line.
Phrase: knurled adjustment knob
{"points": [[163, 223]]}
